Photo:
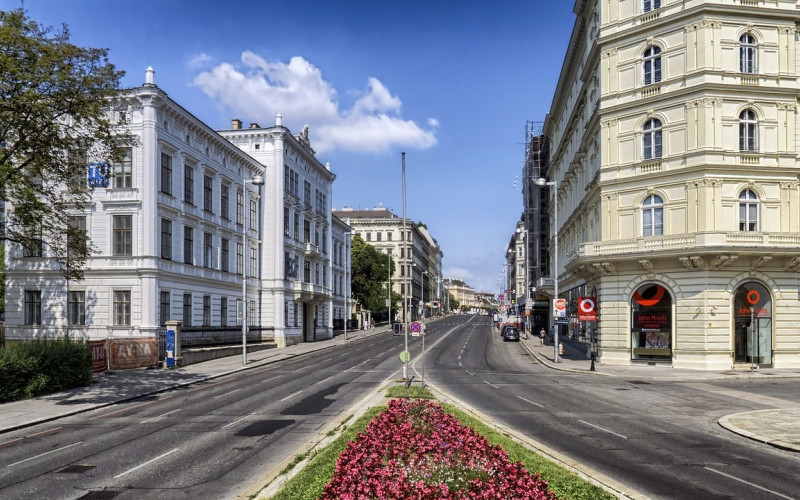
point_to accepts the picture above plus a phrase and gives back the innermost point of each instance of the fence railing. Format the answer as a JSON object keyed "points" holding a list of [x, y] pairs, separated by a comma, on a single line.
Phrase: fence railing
{"points": [[215, 337]]}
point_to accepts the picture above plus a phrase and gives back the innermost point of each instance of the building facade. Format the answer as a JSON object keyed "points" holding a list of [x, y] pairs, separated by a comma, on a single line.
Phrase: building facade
{"points": [[177, 227], [674, 158], [418, 258]]}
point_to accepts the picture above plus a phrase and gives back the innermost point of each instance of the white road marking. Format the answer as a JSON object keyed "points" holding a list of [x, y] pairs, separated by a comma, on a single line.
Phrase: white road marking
{"points": [[325, 379], [148, 462], [326, 359], [471, 374], [749, 483], [46, 453], [159, 416], [291, 395], [229, 392], [237, 420], [495, 386], [531, 402], [602, 429]]}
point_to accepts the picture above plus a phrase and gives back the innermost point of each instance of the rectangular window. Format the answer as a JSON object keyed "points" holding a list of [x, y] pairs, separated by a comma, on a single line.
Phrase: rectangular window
{"points": [[286, 185], [188, 245], [316, 273], [208, 250], [122, 307], [34, 246], [225, 255], [76, 307], [223, 311], [33, 307], [253, 215], [239, 259], [166, 239], [296, 227], [306, 271], [296, 315], [306, 231], [208, 194], [187, 309], [163, 309], [316, 235], [166, 173], [77, 238], [286, 217], [123, 177], [307, 193], [188, 185], [286, 313], [123, 235], [224, 201], [239, 208], [206, 310], [254, 262], [252, 313]]}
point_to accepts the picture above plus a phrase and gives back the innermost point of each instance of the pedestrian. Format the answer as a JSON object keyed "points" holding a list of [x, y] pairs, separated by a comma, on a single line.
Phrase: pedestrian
{"points": [[541, 336]]}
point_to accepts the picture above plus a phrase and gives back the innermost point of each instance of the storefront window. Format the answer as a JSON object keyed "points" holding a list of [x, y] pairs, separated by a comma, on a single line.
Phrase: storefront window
{"points": [[651, 320], [752, 340]]}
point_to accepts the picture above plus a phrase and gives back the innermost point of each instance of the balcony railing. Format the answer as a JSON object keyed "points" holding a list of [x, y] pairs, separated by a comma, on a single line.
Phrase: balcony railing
{"points": [[694, 241]]}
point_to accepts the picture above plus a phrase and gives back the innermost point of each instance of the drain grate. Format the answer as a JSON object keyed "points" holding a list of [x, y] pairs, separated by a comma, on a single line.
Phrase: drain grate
{"points": [[76, 469], [101, 495]]}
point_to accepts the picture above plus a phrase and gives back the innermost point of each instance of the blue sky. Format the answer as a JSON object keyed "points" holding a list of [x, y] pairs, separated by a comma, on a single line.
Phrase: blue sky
{"points": [[451, 83]]}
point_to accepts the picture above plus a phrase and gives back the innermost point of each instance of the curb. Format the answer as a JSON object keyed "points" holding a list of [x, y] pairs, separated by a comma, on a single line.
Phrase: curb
{"points": [[727, 424]]}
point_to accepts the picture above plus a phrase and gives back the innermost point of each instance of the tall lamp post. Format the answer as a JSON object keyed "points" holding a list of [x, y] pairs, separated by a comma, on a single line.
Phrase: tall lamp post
{"points": [[256, 181], [389, 298], [541, 182], [422, 286], [346, 282]]}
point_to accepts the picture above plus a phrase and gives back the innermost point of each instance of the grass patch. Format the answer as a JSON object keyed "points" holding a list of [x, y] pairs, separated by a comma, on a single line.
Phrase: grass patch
{"points": [[309, 483], [564, 483], [413, 392]]}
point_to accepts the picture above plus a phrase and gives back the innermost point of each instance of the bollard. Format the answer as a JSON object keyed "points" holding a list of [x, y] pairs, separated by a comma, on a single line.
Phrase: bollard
{"points": [[560, 348], [591, 369]]}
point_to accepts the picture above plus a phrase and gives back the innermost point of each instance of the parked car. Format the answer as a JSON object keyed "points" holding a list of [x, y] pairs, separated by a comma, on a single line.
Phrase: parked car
{"points": [[511, 333]]}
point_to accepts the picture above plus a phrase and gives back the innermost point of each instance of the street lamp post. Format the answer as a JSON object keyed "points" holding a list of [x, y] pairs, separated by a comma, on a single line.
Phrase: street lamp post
{"points": [[256, 181], [422, 286], [346, 283], [541, 182], [389, 298]]}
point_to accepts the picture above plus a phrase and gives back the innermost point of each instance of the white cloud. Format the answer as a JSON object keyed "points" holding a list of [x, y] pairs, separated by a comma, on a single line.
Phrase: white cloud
{"points": [[261, 89], [200, 61]]}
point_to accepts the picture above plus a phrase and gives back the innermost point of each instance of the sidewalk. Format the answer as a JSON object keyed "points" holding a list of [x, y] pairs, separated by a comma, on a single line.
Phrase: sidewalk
{"points": [[777, 427], [115, 387]]}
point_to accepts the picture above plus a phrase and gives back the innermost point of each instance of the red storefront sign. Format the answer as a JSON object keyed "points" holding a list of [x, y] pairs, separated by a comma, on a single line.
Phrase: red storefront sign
{"points": [[587, 308]]}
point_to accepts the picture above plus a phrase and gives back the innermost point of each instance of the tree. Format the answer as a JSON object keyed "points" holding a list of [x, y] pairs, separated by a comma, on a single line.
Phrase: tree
{"points": [[55, 117], [371, 276]]}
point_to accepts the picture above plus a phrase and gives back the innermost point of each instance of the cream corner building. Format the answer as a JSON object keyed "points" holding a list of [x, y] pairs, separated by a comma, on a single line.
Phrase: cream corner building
{"points": [[673, 147]]}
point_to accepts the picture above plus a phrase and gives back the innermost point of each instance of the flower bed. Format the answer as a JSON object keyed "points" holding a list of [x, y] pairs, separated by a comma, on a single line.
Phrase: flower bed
{"points": [[417, 450]]}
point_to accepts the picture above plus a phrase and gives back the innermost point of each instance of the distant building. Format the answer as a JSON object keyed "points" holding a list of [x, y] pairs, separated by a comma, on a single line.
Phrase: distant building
{"points": [[417, 256]]}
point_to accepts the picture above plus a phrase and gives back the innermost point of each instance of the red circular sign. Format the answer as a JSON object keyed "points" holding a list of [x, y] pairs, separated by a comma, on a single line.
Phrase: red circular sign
{"points": [[586, 305], [415, 327], [753, 297], [561, 304], [650, 295]]}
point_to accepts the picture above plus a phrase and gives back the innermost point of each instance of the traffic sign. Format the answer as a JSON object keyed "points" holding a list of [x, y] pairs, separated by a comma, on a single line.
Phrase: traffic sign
{"points": [[562, 321], [416, 328], [560, 308], [404, 356]]}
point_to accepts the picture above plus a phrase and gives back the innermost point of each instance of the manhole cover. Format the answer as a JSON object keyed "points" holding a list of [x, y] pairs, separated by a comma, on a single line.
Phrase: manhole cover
{"points": [[76, 469]]}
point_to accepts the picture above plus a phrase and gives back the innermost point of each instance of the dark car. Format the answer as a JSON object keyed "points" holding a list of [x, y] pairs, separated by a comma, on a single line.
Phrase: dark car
{"points": [[511, 333]]}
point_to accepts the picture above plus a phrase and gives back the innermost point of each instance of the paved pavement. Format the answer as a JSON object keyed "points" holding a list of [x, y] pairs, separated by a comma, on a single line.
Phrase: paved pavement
{"points": [[777, 427]]}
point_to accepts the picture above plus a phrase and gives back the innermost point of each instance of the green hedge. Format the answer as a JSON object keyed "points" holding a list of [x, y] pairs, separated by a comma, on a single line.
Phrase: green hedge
{"points": [[30, 369]]}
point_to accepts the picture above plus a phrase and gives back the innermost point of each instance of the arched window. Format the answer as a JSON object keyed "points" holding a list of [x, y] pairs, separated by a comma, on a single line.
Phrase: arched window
{"points": [[747, 54], [651, 5], [748, 211], [653, 216], [748, 131], [651, 142], [652, 65]]}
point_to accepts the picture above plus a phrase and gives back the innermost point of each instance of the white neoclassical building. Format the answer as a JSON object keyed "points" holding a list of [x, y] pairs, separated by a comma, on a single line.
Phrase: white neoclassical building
{"points": [[169, 227], [674, 158]]}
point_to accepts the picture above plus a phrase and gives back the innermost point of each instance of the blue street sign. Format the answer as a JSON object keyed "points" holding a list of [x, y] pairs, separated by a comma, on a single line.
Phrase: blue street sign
{"points": [[98, 175], [170, 348]]}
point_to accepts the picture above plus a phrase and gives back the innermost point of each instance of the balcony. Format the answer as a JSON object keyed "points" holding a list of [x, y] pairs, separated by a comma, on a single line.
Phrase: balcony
{"points": [[311, 250], [682, 243], [309, 292]]}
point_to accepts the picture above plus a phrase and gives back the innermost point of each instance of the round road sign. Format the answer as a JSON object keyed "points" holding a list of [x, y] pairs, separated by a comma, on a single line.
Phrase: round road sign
{"points": [[415, 327], [404, 357]]}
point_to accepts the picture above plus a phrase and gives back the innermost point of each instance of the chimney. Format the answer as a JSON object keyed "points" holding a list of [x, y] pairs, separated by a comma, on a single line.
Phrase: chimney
{"points": [[255, 125], [149, 80], [236, 124]]}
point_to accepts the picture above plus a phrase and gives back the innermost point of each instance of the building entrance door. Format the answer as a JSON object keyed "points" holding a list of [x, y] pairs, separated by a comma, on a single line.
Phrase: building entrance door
{"points": [[753, 341]]}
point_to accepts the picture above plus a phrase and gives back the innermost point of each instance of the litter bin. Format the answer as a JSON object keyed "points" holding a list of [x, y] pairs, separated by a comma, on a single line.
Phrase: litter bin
{"points": [[397, 328]]}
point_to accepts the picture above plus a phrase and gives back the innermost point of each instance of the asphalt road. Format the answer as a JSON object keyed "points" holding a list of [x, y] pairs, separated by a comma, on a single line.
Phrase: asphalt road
{"points": [[660, 438], [210, 440]]}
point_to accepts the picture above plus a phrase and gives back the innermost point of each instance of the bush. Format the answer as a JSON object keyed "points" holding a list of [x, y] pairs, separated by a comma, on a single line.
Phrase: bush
{"points": [[33, 368]]}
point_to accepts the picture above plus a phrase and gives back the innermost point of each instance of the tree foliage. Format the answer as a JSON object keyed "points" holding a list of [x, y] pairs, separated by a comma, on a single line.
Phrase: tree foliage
{"points": [[371, 276], [55, 100]]}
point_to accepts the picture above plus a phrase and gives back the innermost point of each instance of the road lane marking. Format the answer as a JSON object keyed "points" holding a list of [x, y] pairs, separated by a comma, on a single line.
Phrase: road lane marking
{"points": [[124, 409], [471, 374], [495, 386], [46, 453], [326, 379], [603, 429], [291, 395], [238, 420], [148, 462], [159, 416], [749, 483], [229, 392], [326, 359], [531, 402]]}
